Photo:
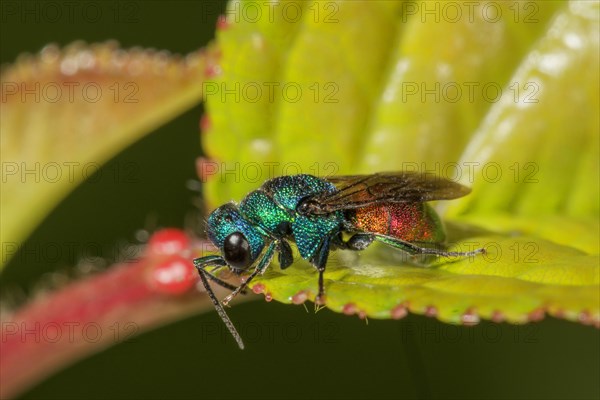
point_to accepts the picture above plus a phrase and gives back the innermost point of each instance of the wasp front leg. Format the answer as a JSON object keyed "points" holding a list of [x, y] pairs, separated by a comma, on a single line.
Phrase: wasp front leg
{"points": [[201, 264], [216, 261], [260, 268]]}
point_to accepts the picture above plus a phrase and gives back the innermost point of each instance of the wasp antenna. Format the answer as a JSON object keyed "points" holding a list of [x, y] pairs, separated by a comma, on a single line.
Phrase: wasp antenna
{"points": [[221, 311]]}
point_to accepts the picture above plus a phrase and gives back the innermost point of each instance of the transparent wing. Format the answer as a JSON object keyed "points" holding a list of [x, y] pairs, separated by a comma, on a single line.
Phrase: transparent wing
{"points": [[356, 191]]}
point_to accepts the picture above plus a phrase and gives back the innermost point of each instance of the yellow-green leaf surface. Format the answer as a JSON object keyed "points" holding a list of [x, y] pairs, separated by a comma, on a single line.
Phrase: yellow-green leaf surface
{"points": [[502, 96], [517, 280], [67, 111]]}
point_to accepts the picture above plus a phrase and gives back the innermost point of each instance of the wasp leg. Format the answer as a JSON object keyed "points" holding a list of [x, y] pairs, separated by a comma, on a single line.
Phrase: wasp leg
{"points": [[337, 242], [413, 249], [260, 268], [201, 264], [357, 242], [319, 260], [217, 261], [360, 241], [286, 257]]}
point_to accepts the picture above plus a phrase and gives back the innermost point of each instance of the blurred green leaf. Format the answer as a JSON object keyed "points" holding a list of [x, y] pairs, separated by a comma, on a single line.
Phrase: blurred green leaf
{"points": [[536, 152], [66, 112]]}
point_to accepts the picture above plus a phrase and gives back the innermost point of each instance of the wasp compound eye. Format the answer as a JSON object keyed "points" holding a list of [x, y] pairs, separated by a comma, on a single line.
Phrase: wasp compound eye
{"points": [[236, 251]]}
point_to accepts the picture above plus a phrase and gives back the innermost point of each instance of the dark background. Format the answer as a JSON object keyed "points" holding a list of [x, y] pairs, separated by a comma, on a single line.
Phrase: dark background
{"points": [[290, 353]]}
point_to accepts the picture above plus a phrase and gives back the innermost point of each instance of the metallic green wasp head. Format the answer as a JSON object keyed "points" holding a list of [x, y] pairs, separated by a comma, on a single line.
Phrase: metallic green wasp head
{"points": [[239, 241]]}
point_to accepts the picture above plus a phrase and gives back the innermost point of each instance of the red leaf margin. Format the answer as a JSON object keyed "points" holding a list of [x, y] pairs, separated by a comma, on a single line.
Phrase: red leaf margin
{"points": [[92, 314]]}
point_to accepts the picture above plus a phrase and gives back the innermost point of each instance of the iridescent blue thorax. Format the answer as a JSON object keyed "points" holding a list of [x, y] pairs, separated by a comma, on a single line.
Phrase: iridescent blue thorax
{"points": [[269, 213]]}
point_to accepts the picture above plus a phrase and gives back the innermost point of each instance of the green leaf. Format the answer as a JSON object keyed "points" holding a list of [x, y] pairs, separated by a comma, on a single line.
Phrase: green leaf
{"points": [[537, 154], [507, 105], [66, 112], [518, 279], [315, 78], [442, 79]]}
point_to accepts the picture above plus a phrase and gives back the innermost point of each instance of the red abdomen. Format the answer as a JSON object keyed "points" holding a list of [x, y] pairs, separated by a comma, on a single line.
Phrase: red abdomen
{"points": [[411, 222]]}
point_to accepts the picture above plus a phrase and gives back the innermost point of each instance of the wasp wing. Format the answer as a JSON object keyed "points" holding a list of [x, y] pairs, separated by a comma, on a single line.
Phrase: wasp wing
{"points": [[357, 191]]}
